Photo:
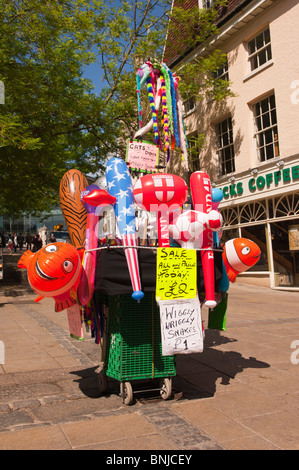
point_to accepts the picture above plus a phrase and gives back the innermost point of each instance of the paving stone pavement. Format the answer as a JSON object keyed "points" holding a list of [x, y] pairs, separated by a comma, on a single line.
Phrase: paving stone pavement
{"points": [[240, 393]]}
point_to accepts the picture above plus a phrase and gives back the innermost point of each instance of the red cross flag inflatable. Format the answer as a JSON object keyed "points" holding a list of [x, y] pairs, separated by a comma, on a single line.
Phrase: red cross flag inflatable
{"points": [[160, 193]]}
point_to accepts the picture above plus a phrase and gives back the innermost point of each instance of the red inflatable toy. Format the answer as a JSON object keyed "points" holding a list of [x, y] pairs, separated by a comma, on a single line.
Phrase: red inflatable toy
{"points": [[200, 185], [161, 193]]}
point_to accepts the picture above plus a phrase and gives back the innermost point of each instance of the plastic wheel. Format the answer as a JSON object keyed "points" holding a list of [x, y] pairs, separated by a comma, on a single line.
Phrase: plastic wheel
{"points": [[166, 387], [102, 382], [127, 393]]}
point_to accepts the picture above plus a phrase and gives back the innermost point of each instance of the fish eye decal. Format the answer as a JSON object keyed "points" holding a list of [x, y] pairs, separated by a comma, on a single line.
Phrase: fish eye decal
{"points": [[51, 248], [245, 250], [67, 266]]}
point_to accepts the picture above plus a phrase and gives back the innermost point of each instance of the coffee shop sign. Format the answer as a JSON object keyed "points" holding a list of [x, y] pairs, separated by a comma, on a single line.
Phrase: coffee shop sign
{"points": [[262, 182]]}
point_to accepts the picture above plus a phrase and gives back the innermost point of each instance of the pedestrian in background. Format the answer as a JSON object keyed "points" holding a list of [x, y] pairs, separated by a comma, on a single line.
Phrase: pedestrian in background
{"points": [[15, 242], [20, 241], [10, 243], [28, 241]]}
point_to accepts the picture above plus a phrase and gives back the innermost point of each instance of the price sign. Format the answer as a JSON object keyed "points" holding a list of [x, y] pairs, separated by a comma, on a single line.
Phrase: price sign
{"points": [[142, 155], [176, 274], [75, 323], [181, 327]]}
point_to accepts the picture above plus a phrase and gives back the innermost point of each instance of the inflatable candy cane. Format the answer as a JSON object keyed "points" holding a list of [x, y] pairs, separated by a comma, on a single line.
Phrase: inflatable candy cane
{"points": [[85, 289], [93, 199], [119, 185], [200, 185]]}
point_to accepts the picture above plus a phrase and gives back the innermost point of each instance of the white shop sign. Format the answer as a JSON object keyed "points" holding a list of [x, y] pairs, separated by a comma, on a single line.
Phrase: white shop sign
{"points": [[181, 326]]}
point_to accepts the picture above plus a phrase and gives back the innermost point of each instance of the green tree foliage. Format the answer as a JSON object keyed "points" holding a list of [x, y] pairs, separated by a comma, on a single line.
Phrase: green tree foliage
{"points": [[52, 120]]}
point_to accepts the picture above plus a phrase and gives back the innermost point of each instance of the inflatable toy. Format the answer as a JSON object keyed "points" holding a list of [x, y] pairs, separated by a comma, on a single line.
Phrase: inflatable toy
{"points": [[217, 196], [200, 186], [54, 271], [239, 255], [71, 185], [188, 227], [161, 193], [93, 198], [119, 185]]}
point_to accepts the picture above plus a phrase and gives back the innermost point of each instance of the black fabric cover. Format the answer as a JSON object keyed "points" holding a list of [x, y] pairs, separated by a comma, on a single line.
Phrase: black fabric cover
{"points": [[113, 278]]}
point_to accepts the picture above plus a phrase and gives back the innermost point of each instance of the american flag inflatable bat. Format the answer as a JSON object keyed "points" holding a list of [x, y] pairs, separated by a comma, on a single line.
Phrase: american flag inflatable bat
{"points": [[119, 185], [200, 186]]}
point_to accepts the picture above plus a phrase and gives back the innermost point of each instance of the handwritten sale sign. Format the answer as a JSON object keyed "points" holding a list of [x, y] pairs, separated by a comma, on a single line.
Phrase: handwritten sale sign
{"points": [[181, 327], [176, 274], [142, 155]]}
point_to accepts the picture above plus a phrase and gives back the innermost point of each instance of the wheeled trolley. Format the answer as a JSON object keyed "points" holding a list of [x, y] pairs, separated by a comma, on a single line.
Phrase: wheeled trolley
{"points": [[133, 350]]}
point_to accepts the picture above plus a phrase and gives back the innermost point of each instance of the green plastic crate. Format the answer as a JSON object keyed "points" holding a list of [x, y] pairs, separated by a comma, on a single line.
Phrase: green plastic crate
{"points": [[133, 341]]}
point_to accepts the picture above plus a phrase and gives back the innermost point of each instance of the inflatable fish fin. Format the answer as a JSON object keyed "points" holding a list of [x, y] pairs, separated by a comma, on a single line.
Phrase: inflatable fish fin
{"points": [[63, 303], [232, 276], [81, 253], [39, 298], [25, 259]]}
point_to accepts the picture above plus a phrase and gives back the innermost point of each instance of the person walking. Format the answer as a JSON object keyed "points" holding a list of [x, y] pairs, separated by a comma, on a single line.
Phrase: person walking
{"points": [[15, 243], [3, 241], [10, 243], [20, 241], [28, 241], [52, 238]]}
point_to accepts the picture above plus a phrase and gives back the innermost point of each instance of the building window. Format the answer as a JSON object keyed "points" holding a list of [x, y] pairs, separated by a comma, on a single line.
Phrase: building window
{"points": [[189, 104], [225, 146], [222, 72], [259, 50], [208, 3], [266, 131], [195, 142]]}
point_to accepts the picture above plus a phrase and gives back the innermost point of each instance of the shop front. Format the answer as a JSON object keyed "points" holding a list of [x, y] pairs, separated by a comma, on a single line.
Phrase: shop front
{"points": [[262, 204]]}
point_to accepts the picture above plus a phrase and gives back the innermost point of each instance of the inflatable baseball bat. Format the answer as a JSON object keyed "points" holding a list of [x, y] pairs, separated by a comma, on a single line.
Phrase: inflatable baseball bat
{"points": [[200, 186], [217, 196], [120, 186]]}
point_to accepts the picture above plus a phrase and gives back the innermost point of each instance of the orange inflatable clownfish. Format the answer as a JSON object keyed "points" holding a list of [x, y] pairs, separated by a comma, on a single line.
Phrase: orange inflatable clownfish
{"points": [[54, 271], [239, 254]]}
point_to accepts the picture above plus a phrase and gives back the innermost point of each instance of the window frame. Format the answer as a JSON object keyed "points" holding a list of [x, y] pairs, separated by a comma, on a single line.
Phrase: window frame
{"points": [[259, 50], [193, 144], [208, 3], [226, 165], [190, 103], [262, 131], [222, 73]]}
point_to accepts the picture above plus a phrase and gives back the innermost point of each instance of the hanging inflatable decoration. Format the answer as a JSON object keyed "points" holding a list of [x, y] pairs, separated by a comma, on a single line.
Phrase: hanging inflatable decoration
{"points": [[239, 255], [93, 198], [119, 185], [200, 185], [162, 86], [71, 185], [54, 271], [161, 193]]}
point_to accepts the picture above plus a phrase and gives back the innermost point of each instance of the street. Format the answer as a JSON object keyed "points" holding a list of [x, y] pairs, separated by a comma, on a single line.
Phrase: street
{"points": [[240, 393]]}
